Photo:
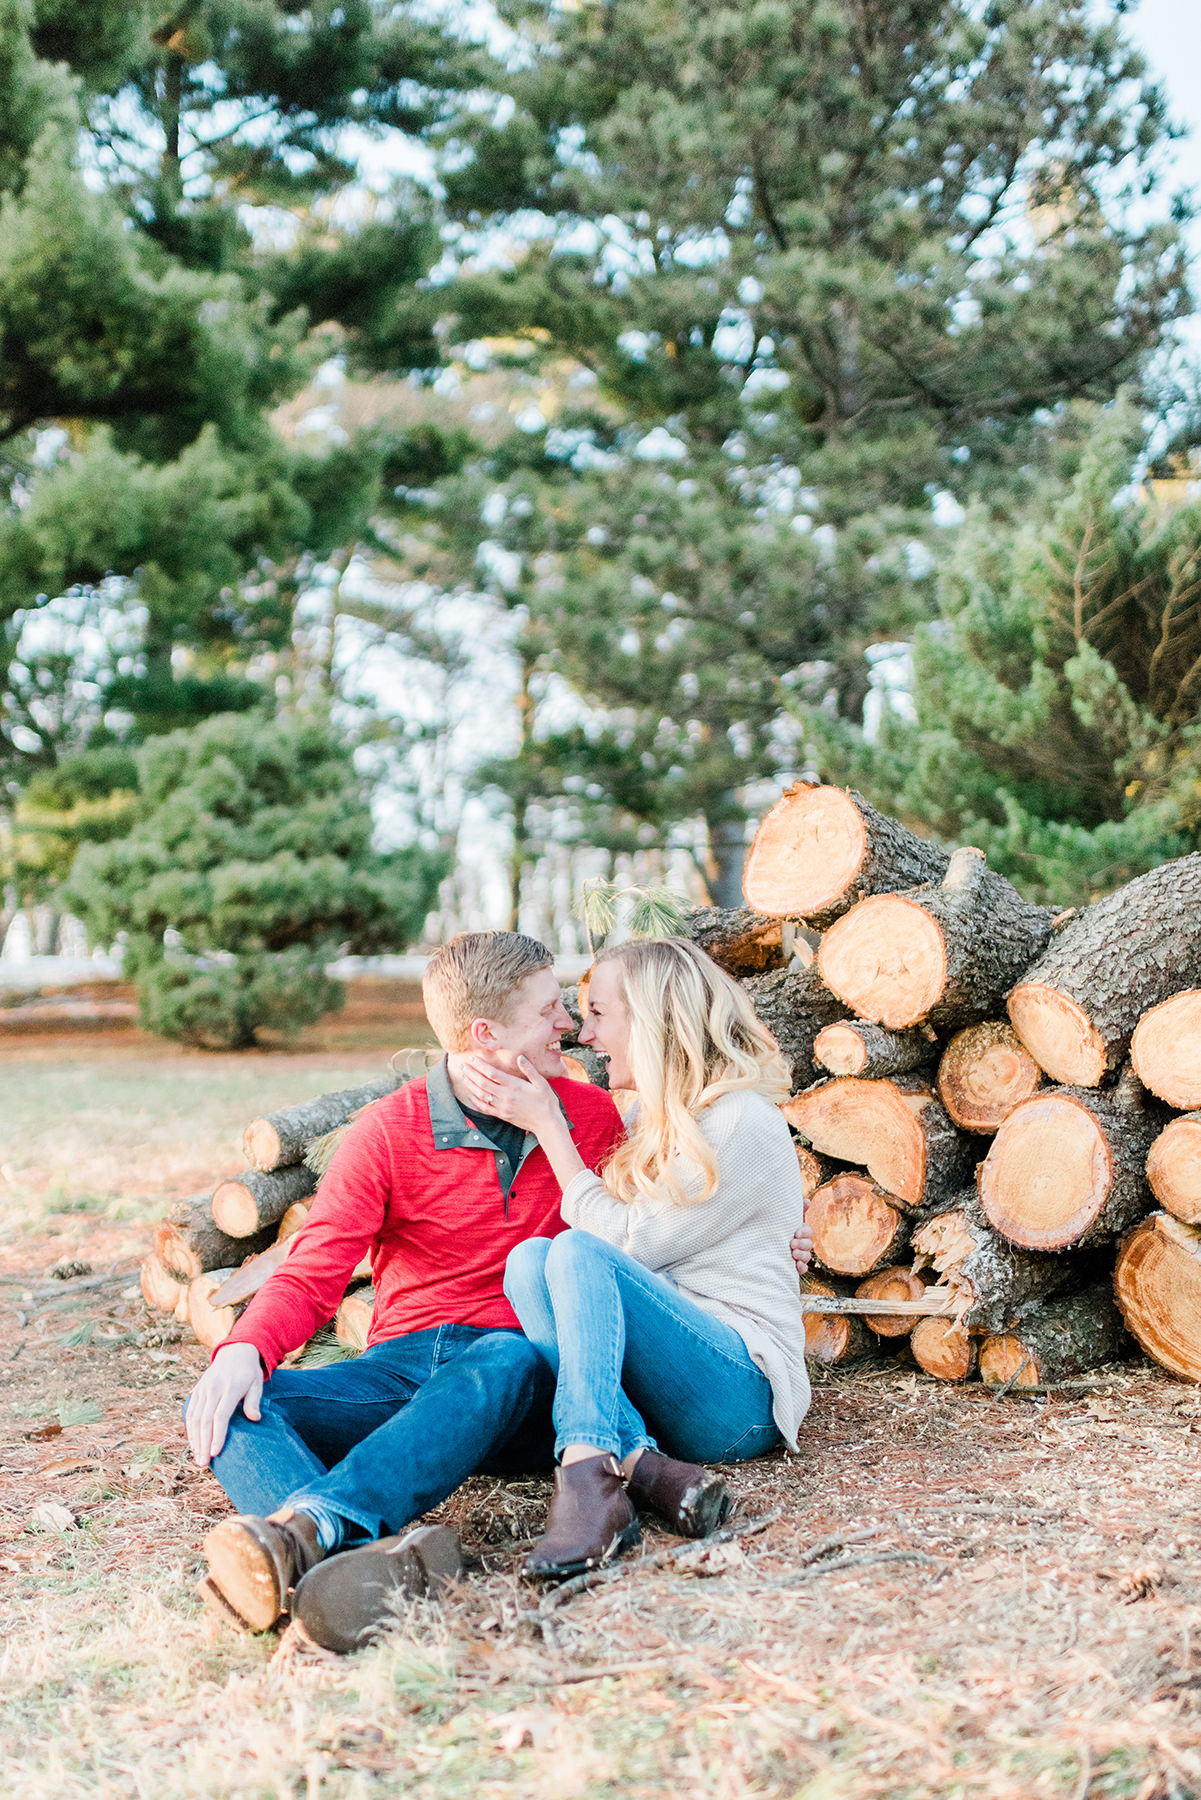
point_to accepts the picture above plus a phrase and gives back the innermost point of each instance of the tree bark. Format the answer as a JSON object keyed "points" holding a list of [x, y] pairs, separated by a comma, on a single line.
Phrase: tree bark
{"points": [[856, 1227], [891, 1284], [894, 1129], [1076, 1008], [190, 1243], [814, 1169], [1157, 1283], [986, 1071], [1068, 1168], [254, 1200], [794, 1004], [1065, 1337], [1174, 1168], [853, 1047], [822, 849], [583, 1064], [832, 1338], [995, 1282], [944, 1348], [944, 954], [740, 941], [1165, 1051], [279, 1141]]}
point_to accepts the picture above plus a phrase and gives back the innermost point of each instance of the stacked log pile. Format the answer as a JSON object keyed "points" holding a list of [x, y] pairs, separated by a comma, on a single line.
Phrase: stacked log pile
{"points": [[1000, 1102], [996, 1108], [213, 1251]]}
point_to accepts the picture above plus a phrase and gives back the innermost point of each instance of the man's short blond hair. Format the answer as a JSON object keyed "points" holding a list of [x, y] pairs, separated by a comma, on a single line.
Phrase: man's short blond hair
{"points": [[475, 976]]}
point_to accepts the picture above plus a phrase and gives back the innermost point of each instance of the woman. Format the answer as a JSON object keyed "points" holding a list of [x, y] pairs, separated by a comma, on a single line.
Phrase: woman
{"points": [[670, 1309]]}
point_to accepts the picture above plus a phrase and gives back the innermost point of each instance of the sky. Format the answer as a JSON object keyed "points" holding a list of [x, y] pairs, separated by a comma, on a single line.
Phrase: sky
{"points": [[1169, 33]]}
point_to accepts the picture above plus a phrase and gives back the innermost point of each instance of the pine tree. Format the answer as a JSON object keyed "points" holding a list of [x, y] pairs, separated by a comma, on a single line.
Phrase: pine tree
{"points": [[247, 868], [831, 258], [1056, 700]]}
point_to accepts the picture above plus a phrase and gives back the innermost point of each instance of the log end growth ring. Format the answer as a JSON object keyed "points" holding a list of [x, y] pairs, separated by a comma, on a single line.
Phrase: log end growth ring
{"points": [[870, 1123], [1059, 1035], [806, 853], [1166, 1050], [1047, 1175], [891, 1284], [886, 959], [854, 1224], [1174, 1169], [985, 1072], [1002, 1359], [839, 1049], [1157, 1284]]}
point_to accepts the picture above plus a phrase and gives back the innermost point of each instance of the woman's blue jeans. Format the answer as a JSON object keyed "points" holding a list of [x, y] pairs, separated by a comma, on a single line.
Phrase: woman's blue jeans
{"points": [[383, 1437], [634, 1357]]}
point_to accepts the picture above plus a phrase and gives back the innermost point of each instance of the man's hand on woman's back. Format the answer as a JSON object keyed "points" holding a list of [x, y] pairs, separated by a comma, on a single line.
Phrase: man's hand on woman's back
{"points": [[234, 1378], [801, 1245]]}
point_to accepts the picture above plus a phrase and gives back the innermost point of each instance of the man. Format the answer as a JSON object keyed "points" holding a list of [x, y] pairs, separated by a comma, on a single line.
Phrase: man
{"points": [[327, 1457]]}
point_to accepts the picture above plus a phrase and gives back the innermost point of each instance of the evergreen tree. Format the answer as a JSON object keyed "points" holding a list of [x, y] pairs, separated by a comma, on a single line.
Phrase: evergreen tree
{"points": [[1057, 699], [247, 868], [834, 257]]}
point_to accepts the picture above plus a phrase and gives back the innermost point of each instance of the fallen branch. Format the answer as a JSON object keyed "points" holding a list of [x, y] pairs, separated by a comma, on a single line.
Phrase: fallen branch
{"points": [[942, 1308]]}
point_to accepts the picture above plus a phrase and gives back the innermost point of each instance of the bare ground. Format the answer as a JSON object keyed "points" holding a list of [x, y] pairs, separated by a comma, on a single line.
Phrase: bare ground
{"points": [[952, 1596]]}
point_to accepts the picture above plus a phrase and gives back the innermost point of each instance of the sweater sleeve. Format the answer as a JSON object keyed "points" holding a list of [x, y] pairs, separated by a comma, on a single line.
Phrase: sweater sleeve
{"points": [[346, 1217], [658, 1233]]}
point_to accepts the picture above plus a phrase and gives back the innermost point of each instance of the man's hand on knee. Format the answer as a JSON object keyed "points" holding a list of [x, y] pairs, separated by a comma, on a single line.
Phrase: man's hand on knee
{"points": [[234, 1378]]}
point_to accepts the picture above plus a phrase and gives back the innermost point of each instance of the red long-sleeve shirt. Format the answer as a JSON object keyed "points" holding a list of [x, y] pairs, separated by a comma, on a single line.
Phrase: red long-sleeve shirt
{"points": [[429, 1207]]}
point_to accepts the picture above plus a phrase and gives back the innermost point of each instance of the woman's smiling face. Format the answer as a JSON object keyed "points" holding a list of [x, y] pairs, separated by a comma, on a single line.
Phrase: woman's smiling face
{"points": [[607, 1026]]}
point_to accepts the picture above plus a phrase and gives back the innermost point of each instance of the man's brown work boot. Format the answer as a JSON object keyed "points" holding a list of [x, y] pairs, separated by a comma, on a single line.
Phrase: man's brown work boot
{"points": [[590, 1521], [347, 1601], [254, 1564], [691, 1500]]}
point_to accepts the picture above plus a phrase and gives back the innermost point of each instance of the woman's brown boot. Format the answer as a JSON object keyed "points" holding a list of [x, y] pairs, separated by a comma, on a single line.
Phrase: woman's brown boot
{"points": [[691, 1500], [590, 1521]]}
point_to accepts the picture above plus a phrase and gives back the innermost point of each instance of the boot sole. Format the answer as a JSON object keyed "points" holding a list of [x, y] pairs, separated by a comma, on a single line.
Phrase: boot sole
{"points": [[627, 1538], [346, 1602], [244, 1572], [703, 1509]]}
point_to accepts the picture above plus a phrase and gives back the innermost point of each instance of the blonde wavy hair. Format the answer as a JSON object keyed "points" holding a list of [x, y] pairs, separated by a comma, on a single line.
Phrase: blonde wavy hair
{"points": [[693, 1037]]}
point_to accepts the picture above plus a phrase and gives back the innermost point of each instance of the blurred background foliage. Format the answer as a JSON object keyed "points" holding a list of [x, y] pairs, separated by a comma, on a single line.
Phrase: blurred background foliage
{"points": [[561, 409]]}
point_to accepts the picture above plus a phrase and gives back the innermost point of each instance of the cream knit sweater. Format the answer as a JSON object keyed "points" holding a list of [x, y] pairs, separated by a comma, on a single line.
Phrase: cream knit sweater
{"points": [[729, 1253]]}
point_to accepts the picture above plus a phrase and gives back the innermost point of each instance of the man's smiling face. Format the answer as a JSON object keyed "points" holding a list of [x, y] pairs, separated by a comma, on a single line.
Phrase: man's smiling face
{"points": [[537, 1018]]}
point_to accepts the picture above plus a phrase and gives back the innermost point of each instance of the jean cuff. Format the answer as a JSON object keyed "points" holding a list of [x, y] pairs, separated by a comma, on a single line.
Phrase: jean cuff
{"points": [[602, 1442], [369, 1523]]}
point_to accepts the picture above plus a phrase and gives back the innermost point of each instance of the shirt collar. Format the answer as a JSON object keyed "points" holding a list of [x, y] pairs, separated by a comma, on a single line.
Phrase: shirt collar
{"points": [[451, 1128]]}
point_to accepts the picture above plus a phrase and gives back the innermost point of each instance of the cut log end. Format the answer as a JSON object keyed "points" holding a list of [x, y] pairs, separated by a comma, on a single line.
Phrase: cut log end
{"points": [[210, 1323], [841, 1050], [1006, 1360], [985, 1072], [1166, 1050], [1058, 1034], [1174, 1168], [1048, 1174], [886, 960], [1157, 1284], [943, 1349], [855, 1225], [892, 1284], [261, 1144], [832, 1338], [806, 853]]}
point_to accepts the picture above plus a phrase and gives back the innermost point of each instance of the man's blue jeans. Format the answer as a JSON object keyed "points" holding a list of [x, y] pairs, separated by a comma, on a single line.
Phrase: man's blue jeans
{"points": [[634, 1356], [382, 1438]]}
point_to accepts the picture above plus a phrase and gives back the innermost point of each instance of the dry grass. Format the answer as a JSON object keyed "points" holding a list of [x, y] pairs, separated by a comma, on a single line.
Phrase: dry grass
{"points": [[1007, 1605]]}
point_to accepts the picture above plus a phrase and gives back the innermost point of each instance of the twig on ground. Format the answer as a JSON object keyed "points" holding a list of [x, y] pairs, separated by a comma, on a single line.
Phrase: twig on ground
{"points": [[1000, 1393], [845, 1563], [661, 1559]]}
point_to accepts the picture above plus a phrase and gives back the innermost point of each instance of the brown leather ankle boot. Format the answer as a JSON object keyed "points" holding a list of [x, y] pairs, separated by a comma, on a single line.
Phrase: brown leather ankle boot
{"points": [[347, 1601], [590, 1521], [691, 1500], [254, 1564]]}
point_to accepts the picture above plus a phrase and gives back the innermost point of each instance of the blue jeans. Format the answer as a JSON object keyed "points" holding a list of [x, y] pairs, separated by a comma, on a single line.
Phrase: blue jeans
{"points": [[382, 1438], [634, 1356]]}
